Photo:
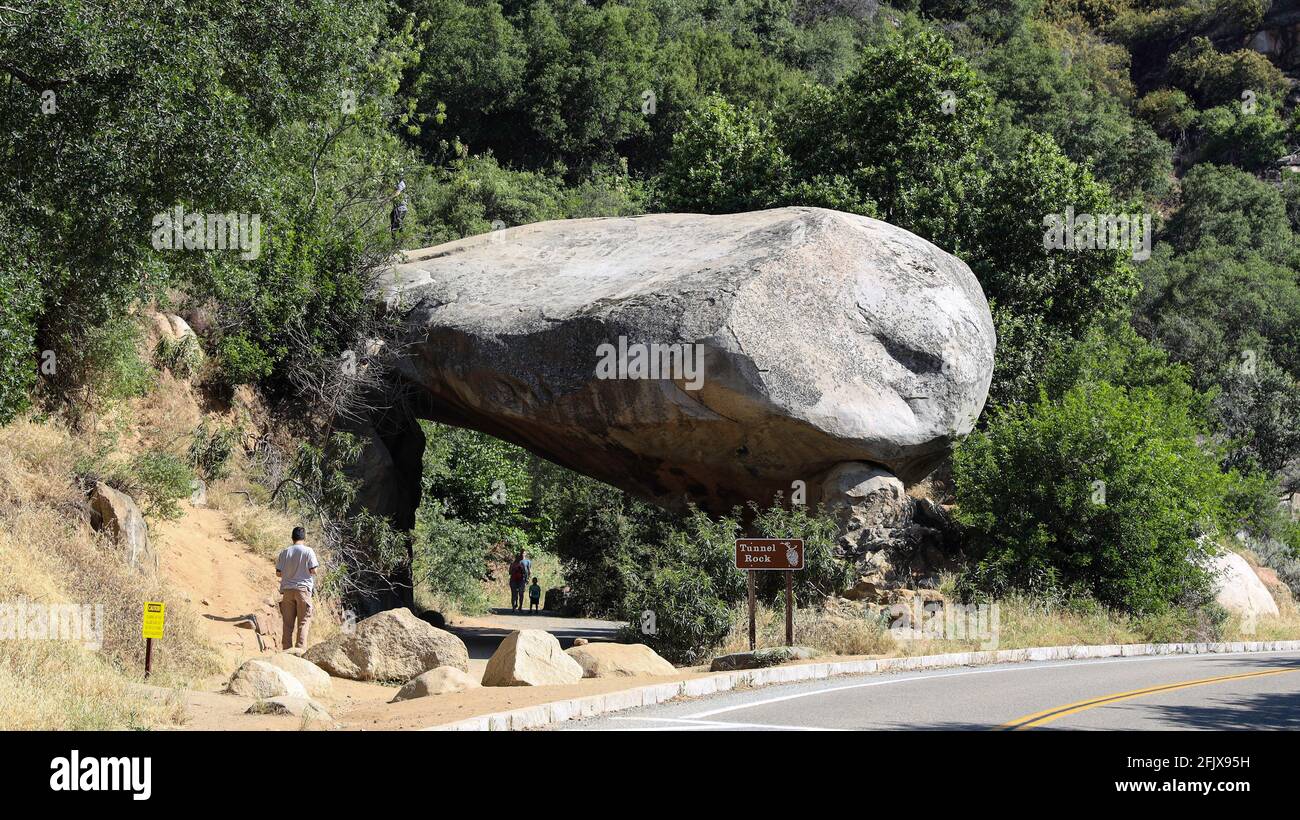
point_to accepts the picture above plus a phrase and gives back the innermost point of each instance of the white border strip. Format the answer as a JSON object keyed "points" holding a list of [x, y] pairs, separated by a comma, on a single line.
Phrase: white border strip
{"points": [[534, 717]]}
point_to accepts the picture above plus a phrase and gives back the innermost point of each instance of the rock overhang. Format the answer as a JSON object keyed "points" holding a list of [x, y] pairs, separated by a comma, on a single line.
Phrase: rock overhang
{"points": [[823, 337]]}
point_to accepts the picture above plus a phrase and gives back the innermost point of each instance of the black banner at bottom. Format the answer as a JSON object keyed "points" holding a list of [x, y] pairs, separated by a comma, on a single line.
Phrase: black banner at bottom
{"points": [[400, 769]]}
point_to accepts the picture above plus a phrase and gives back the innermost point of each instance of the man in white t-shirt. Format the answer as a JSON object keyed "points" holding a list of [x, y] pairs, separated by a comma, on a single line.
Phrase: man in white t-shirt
{"points": [[296, 566]]}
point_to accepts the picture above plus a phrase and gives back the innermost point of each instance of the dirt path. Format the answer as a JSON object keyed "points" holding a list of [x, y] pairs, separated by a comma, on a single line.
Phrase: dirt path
{"points": [[203, 561], [200, 557]]}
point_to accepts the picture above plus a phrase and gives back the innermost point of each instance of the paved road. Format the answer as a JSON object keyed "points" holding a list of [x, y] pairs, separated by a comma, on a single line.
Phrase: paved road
{"points": [[1229, 691]]}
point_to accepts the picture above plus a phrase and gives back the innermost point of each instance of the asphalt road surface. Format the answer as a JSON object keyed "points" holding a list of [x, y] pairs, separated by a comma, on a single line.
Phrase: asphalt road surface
{"points": [[1228, 691]]}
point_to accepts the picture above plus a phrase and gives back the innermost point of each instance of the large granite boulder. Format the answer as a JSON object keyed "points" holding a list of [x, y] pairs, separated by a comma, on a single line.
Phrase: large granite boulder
{"points": [[394, 645], [789, 341], [1239, 589]]}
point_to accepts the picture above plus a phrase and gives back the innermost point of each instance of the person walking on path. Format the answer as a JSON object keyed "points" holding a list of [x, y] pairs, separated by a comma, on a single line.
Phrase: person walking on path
{"points": [[534, 595], [518, 578], [296, 567]]}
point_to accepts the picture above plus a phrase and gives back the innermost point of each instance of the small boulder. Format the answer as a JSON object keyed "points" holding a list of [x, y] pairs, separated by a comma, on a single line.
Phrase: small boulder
{"points": [[619, 660], [116, 513], [530, 657], [580, 641], [441, 681], [259, 679], [180, 328], [392, 645], [314, 679], [760, 658]]}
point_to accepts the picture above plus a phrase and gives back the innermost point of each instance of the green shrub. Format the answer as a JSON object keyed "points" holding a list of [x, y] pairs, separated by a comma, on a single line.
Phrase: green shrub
{"points": [[1102, 490], [154, 480], [690, 619], [242, 361], [825, 572], [211, 449], [450, 559], [181, 356], [606, 541], [101, 365]]}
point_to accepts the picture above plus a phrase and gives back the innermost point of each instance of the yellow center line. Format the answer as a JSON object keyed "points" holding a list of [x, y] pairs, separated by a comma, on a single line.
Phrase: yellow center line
{"points": [[1056, 712]]}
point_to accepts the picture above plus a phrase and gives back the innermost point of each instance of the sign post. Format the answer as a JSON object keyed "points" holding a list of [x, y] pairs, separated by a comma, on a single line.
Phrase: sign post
{"points": [[789, 609], [782, 554], [753, 632], [154, 612]]}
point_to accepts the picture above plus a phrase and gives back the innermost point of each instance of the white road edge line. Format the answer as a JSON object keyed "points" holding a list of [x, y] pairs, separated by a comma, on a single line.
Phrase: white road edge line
{"points": [[711, 724], [1018, 668]]}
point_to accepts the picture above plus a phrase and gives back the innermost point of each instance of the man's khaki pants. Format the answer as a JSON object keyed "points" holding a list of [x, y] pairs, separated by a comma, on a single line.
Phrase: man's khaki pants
{"points": [[295, 606]]}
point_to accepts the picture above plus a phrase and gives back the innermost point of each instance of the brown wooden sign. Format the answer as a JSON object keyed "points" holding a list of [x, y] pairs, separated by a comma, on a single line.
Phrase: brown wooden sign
{"points": [[769, 553]]}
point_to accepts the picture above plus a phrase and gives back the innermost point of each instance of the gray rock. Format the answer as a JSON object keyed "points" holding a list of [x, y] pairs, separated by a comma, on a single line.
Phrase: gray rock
{"points": [[444, 680], [825, 337], [530, 657], [869, 503], [618, 660], [760, 658], [116, 513], [314, 679], [259, 679], [392, 645], [1238, 588]]}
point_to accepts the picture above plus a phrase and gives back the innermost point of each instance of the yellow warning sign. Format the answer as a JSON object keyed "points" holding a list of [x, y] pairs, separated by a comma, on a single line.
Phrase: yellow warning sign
{"points": [[153, 619]]}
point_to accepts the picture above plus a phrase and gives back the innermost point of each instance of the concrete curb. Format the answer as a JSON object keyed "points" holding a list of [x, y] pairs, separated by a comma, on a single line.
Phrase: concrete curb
{"points": [[534, 717]]}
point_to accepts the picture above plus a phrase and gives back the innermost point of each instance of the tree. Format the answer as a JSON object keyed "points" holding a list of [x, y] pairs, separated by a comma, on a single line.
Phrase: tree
{"points": [[1213, 78], [724, 160], [904, 131], [1103, 492], [1042, 297], [115, 115]]}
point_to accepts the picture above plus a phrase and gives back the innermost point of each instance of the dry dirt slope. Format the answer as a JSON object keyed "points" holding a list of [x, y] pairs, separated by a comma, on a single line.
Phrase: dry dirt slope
{"points": [[218, 575]]}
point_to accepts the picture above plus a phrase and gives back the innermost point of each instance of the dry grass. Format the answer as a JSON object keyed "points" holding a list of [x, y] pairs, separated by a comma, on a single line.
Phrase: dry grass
{"points": [[49, 555], [1022, 623], [818, 629], [263, 529]]}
